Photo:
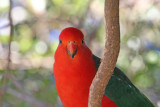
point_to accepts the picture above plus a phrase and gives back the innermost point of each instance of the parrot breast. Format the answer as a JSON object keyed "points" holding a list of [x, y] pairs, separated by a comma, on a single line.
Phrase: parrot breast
{"points": [[73, 77]]}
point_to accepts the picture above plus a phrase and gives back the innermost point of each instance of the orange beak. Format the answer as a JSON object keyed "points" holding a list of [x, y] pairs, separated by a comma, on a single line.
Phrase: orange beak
{"points": [[72, 49]]}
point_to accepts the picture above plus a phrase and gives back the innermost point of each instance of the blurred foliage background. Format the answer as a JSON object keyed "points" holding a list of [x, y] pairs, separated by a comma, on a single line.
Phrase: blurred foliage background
{"points": [[37, 25]]}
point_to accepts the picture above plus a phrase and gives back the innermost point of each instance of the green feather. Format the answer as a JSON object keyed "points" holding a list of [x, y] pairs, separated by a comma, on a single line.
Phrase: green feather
{"points": [[121, 90]]}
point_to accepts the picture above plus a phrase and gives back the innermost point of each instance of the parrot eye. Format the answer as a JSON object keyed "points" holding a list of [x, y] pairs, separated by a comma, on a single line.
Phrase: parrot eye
{"points": [[82, 41], [60, 41]]}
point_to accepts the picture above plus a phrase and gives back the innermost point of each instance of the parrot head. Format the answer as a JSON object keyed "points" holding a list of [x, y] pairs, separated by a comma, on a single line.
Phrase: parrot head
{"points": [[72, 39]]}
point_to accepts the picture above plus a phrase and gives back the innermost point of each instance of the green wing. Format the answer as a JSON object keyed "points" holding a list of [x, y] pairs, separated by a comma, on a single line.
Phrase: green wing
{"points": [[122, 91]]}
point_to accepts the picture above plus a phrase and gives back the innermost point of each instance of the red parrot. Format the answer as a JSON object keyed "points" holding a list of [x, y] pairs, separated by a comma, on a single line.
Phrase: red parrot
{"points": [[74, 69]]}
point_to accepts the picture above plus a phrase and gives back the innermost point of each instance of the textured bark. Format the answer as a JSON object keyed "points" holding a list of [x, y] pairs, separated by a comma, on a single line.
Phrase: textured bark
{"points": [[111, 52]]}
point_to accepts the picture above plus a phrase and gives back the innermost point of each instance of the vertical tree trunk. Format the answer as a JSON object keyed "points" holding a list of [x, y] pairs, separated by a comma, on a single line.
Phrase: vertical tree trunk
{"points": [[112, 46]]}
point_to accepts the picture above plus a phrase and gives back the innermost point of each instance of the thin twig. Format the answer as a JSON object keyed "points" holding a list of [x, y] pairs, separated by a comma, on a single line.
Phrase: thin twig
{"points": [[28, 98], [6, 75], [25, 96]]}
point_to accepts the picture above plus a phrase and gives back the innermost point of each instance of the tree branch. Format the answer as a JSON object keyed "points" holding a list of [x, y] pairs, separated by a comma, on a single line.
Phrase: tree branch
{"points": [[112, 46], [23, 95], [28, 98], [6, 76]]}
